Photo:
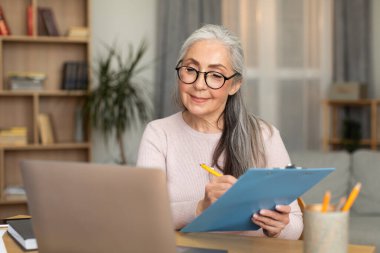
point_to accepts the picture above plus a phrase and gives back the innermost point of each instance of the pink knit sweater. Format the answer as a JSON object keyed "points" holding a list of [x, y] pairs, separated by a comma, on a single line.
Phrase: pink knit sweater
{"points": [[173, 146]]}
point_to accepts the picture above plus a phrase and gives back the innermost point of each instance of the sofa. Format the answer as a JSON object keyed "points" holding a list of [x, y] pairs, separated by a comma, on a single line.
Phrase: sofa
{"points": [[360, 166]]}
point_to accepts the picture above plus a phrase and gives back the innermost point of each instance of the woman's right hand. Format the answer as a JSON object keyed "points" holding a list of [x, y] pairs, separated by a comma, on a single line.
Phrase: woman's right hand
{"points": [[214, 189]]}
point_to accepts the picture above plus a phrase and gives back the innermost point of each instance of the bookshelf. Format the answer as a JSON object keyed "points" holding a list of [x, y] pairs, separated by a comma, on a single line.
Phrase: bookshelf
{"points": [[331, 121], [20, 52]]}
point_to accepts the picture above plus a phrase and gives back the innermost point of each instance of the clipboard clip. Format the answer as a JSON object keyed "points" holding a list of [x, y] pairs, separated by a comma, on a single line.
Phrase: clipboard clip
{"points": [[292, 166]]}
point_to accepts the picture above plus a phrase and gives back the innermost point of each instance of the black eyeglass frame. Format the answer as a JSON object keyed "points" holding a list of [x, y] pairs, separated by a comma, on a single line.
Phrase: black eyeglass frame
{"points": [[205, 76]]}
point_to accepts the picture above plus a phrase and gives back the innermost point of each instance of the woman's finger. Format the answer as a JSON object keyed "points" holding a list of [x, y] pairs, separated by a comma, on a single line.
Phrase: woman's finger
{"points": [[224, 179], [268, 230], [281, 214], [268, 221]]}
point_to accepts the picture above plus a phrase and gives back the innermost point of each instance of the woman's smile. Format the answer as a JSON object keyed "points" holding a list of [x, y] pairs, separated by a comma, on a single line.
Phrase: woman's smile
{"points": [[198, 100]]}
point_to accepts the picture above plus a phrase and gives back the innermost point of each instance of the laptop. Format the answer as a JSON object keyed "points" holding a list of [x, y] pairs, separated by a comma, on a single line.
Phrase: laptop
{"points": [[84, 207]]}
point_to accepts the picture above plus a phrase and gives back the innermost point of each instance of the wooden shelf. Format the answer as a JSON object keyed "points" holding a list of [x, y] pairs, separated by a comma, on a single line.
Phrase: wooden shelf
{"points": [[361, 102], [12, 201], [331, 109], [340, 142], [47, 93], [43, 54], [56, 146], [44, 39]]}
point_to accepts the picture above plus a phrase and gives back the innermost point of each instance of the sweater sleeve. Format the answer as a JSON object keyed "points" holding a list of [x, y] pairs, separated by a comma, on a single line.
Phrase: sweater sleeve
{"points": [[152, 154]]}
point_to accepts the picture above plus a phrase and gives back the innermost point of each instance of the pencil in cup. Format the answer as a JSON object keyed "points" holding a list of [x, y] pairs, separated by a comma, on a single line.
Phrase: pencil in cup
{"points": [[326, 201], [352, 197], [210, 170]]}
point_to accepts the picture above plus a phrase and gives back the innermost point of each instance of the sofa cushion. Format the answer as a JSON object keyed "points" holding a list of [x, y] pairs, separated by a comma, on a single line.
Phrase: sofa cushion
{"points": [[337, 182], [365, 230], [366, 169]]}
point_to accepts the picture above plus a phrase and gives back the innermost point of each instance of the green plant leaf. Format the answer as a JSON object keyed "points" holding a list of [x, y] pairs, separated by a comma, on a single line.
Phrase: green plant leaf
{"points": [[119, 101]]}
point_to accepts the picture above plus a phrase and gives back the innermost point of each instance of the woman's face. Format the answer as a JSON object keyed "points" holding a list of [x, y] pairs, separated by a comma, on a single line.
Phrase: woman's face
{"points": [[200, 100]]}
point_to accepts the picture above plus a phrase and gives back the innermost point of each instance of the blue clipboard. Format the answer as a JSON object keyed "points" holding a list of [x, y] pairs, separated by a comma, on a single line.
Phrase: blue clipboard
{"points": [[256, 189]]}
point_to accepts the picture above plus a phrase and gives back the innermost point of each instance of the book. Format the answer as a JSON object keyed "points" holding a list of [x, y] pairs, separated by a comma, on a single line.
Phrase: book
{"points": [[21, 231], [185, 249], [82, 76], [26, 80], [78, 31], [41, 28], [29, 20], [49, 21], [4, 28], [75, 75], [14, 193], [256, 189], [47, 24], [15, 136], [69, 75], [45, 128]]}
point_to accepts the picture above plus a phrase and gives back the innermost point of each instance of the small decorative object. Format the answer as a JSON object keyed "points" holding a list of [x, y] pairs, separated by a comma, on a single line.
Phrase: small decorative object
{"points": [[119, 101], [348, 91]]}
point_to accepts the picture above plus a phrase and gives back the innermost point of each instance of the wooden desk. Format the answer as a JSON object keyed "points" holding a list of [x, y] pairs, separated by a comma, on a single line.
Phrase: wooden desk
{"points": [[233, 243], [243, 244]]}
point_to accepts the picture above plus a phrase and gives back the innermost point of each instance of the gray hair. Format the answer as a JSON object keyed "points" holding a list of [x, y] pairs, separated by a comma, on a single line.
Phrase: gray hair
{"points": [[241, 142], [215, 32]]}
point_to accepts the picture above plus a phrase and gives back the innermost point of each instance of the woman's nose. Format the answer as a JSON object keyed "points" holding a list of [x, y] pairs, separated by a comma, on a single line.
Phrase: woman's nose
{"points": [[200, 83]]}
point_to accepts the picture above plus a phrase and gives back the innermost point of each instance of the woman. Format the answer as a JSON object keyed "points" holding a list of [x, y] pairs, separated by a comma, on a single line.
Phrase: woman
{"points": [[214, 128]]}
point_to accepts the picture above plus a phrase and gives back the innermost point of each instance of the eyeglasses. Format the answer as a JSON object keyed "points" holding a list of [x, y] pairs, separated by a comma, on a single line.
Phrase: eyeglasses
{"points": [[214, 80]]}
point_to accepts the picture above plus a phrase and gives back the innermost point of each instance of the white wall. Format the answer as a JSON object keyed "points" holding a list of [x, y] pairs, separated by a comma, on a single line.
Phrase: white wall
{"points": [[376, 45], [124, 22]]}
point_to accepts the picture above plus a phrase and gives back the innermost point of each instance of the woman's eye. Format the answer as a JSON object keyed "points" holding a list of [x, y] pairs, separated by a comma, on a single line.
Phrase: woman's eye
{"points": [[190, 70], [216, 75]]}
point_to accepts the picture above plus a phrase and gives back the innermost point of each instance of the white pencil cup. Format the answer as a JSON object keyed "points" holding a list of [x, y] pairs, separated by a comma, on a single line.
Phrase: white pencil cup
{"points": [[325, 232]]}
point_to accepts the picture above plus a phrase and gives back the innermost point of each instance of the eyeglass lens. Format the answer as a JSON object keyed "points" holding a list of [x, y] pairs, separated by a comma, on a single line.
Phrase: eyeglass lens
{"points": [[189, 75]]}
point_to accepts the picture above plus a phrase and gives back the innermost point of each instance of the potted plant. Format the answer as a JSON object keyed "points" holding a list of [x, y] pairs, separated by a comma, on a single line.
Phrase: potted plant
{"points": [[119, 101]]}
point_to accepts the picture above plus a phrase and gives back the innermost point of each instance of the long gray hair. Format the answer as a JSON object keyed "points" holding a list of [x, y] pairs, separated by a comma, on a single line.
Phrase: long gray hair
{"points": [[241, 142]]}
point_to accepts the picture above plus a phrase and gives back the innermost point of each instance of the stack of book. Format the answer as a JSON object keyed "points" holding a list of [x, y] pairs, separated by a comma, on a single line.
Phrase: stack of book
{"points": [[15, 136], [15, 193], [26, 81], [75, 75]]}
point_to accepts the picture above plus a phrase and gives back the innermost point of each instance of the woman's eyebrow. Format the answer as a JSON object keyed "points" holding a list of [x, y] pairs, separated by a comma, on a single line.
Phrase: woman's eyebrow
{"points": [[191, 60], [216, 65]]}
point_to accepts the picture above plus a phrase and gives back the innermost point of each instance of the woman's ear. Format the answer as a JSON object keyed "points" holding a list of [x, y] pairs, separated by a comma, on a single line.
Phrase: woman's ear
{"points": [[234, 88]]}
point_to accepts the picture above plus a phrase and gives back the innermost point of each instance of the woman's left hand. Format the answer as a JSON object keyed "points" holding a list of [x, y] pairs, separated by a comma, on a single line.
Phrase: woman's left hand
{"points": [[272, 222]]}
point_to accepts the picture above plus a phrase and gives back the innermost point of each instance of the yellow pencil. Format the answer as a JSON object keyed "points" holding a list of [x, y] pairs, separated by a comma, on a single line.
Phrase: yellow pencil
{"points": [[352, 197], [326, 201], [211, 170]]}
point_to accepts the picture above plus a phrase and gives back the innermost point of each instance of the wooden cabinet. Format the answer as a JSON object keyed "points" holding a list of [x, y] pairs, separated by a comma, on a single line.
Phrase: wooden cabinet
{"points": [[332, 137], [47, 54]]}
